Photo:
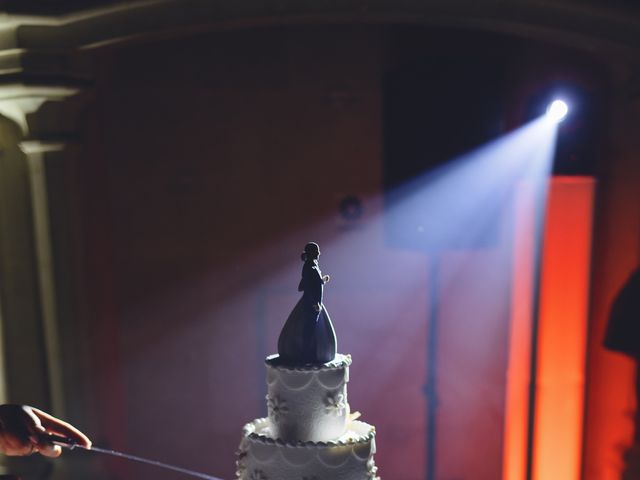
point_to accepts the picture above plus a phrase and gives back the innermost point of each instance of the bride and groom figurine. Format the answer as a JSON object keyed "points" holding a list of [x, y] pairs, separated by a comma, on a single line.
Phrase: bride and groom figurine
{"points": [[308, 336]]}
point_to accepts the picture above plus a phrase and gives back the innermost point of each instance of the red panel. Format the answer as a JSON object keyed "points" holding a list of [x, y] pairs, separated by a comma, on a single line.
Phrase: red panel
{"points": [[562, 333], [519, 364]]}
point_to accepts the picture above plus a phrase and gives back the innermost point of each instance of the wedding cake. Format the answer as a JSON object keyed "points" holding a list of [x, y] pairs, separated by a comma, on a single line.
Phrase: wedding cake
{"points": [[310, 432]]}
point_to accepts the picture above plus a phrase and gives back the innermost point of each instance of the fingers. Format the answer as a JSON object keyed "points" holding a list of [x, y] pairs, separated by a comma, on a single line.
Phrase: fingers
{"points": [[23, 431], [32, 422], [52, 424], [48, 449], [18, 428], [12, 446]]}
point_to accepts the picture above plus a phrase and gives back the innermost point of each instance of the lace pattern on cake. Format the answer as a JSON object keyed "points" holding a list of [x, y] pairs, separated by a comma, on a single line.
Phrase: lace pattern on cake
{"points": [[335, 403], [277, 407], [348, 457], [309, 433]]}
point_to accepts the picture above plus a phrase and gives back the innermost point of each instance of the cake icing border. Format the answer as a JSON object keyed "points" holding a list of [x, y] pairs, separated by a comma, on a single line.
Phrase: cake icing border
{"points": [[337, 363]]}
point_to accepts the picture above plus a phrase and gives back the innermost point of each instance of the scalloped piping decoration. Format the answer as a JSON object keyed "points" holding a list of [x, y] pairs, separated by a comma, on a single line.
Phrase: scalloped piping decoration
{"points": [[298, 380], [291, 380], [338, 362], [333, 458], [364, 451], [296, 457], [332, 379], [261, 452]]}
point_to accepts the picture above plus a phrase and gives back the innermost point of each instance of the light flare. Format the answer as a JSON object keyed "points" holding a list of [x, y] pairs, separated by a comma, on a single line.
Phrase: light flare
{"points": [[558, 110]]}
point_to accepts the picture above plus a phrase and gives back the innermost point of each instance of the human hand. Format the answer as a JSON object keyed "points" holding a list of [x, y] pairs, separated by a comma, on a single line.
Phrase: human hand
{"points": [[23, 431]]}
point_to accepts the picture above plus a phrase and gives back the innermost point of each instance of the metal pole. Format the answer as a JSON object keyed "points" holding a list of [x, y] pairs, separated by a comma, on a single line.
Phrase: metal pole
{"points": [[430, 386]]}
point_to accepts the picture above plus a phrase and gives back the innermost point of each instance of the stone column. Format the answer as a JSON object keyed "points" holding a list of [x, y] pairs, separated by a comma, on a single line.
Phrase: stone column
{"points": [[43, 341]]}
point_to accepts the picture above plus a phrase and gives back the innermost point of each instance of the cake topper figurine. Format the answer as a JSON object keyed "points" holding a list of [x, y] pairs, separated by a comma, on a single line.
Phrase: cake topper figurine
{"points": [[308, 336]]}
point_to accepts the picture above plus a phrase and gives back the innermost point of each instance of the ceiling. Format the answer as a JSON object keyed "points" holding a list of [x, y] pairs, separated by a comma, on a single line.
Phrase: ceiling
{"points": [[595, 25], [64, 7], [51, 7]]}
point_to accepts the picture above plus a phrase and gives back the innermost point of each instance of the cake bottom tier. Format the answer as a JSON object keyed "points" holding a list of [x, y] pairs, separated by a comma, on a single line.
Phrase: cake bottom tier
{"points": [[349, 457]]}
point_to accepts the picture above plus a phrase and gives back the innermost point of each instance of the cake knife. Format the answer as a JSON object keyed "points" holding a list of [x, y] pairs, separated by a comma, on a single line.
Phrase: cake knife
{"points": [[70, 444]]}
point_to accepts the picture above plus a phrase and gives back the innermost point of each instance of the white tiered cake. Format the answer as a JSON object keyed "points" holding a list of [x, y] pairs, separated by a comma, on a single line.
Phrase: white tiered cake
{"points": [[309, 434]]}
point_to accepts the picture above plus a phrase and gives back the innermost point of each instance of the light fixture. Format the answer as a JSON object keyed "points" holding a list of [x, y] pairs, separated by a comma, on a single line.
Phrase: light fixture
{"points": [[557, 110]]}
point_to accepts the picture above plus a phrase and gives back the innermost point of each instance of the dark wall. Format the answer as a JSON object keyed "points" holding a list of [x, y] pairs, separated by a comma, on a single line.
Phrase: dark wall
{"points": [[222, 155], [210, 161]]}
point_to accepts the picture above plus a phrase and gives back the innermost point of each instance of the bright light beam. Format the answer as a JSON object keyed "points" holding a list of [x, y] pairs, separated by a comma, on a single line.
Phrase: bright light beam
{"points": [[377, 295]]}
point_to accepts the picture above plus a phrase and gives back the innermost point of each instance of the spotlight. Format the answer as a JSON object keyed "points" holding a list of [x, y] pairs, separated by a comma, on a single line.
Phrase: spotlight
{"points": [[557, 110]]}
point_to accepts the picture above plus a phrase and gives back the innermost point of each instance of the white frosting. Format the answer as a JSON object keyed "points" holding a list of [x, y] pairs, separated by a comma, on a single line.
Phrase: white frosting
{"points": [[264, 457], [308, 403], [308, 435]]}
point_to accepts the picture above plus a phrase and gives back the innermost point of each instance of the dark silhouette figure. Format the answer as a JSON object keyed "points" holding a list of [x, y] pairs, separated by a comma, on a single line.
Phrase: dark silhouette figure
{"points": [[623, 329], [308, 336]]}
